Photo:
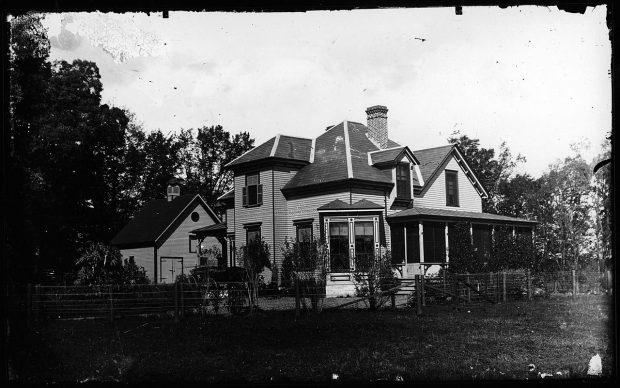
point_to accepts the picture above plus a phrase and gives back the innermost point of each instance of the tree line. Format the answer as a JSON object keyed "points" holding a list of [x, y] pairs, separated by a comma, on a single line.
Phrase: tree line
{"points": [[78, 168]]}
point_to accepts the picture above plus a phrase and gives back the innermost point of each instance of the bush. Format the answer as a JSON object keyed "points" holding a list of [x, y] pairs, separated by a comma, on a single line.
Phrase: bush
{"points": [[305, 264], [374, 273], [463, 258], [100, 264]]}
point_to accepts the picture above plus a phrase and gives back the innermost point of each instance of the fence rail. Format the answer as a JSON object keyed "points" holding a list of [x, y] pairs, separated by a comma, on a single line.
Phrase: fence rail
{"points": [[178, 299]]}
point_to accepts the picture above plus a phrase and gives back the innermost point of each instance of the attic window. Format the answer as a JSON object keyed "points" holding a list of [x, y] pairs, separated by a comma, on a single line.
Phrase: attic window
{"points": [[452, 189], [195, 216]]}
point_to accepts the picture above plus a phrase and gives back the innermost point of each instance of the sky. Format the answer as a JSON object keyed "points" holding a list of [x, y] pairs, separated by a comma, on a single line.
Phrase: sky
{"points": [[535, 77]]}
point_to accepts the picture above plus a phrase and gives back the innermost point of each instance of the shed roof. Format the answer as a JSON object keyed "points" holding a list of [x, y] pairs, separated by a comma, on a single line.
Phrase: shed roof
{"points": [[341, 205], [422, 212]]}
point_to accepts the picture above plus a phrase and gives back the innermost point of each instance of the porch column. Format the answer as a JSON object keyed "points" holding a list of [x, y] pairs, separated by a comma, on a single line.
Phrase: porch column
{"points": [[513, 232], [421, 240], [471, 233], [447, 246], [351, 244], [405, 238]]}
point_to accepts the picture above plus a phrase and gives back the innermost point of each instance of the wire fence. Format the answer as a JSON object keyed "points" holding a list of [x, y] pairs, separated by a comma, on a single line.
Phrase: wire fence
{"points": [[307, 293]]}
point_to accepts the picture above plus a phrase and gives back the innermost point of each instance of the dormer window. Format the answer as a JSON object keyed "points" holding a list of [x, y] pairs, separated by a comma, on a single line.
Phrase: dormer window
{"points": [[252, 193], [403, 181], [452, 188]]}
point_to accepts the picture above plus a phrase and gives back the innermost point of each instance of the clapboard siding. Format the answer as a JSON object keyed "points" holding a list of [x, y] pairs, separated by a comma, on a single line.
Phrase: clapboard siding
{"points": [[262, 213], [281, 178], [230, 220], [435, 196], [143, 258], [306, 207], [177, 244]]}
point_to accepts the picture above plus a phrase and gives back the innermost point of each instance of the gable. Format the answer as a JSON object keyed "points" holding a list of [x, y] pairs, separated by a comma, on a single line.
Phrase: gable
{"points": [[206, 217]]}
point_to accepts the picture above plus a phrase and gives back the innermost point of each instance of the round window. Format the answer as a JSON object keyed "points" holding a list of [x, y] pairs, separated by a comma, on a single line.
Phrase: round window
{"points": [[195, 216]]}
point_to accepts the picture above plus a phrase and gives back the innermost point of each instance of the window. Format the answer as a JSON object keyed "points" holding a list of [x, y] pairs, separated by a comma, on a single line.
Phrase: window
{"points": [[364, 239], [252, 193], [452, 189], [192, 244], [403, 181], [195, 216], [252, 234], [339, 246], [304, 238], [223, 215], [434, 242]]}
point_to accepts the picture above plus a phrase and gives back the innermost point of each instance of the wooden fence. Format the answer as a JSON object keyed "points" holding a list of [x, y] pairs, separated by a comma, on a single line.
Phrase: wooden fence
{"points": [[178, 299]]}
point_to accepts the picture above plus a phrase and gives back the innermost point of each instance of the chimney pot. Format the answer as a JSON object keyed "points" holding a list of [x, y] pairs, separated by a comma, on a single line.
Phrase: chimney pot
{"points": [[377, 125]]}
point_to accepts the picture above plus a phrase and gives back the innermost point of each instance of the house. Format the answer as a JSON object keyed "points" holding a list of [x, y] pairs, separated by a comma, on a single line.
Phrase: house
{"points": [[360, 192], [159, 236]]}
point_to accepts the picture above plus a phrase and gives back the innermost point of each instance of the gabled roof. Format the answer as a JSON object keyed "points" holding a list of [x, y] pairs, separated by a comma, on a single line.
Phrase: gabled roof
{"points": [[391, 155], [431, 159], [279, 147], [359, 205], [422, 212], [341, 153], [151, 223], [434, 160]]}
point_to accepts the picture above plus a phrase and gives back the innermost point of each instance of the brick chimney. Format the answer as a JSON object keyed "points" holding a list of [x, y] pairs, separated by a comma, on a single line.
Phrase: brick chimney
{"points": [[377, 125], [173, 189]]}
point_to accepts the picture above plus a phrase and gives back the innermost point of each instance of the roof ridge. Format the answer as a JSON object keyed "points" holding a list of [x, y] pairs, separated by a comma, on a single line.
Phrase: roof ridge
{"points": [[275, 146], [434, 148], [347, 149]]}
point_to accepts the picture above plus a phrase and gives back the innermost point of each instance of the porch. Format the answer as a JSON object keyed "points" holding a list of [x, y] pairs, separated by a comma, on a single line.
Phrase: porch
{"points": [[421, 237]]}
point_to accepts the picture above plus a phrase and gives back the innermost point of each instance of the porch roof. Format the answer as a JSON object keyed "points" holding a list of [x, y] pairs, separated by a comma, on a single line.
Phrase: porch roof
{"points": [[456, 215], [215, 230]]}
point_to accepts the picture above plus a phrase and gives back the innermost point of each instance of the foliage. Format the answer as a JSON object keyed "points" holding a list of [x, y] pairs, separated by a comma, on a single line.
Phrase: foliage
{"points": [[490, 171], [304, 268], [255, 257], [463, 258], [100, 264], [374, 273], [204, 156]]}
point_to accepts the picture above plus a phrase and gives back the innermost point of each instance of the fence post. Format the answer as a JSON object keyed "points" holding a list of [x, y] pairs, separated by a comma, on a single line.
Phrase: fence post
{"points": [[574, 283], [418, 295], [36, 302], [504, 286], [176, 302], [29, 306], [609, 283], [297, 297], [455, 290], [182, 300], [423, 290], [111, 304], [444, 281], [468, 289]]}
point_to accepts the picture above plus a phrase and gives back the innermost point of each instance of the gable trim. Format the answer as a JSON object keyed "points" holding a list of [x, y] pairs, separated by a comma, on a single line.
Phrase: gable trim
{"points": [[226, 193], [470, 174], [418, 174], [347, 150]]}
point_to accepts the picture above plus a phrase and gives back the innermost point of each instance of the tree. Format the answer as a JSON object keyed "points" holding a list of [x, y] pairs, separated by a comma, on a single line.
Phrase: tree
{"points": [[204, 156], [601, 212], [255, 257], [490, 171]]}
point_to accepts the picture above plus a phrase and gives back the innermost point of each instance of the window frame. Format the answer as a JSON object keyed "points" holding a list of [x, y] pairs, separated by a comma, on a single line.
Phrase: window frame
{"points": [[252, 229], [449, 175], [190, 244], [245, 195], [403, 182]]}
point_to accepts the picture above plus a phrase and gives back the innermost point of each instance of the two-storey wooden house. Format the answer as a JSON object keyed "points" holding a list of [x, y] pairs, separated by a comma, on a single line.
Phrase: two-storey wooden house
{"points": [[360, 192]]}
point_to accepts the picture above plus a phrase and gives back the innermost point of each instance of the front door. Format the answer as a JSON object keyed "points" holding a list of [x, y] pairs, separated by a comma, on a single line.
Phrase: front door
{"points": [[339, 246], [412, 261]]}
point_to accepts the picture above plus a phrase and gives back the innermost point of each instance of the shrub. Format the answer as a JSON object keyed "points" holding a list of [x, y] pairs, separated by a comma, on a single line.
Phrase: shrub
{"points": [[463, 258], [305, 263], [374, 273], [100, 264], [255, 257]]}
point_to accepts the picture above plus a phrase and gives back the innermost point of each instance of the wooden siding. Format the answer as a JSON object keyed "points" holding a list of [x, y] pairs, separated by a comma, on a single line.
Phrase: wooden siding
{"points": [[177, 245], [230, 220], [281, 178], [143, 258], [435, 197]]}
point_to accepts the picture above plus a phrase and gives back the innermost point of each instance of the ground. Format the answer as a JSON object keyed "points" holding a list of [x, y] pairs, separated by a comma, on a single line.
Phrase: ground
{"points": [[481, 341]]}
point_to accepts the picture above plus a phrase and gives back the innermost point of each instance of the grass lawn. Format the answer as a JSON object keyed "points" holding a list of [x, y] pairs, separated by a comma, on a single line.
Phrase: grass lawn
{"points": [[481, 341]]}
